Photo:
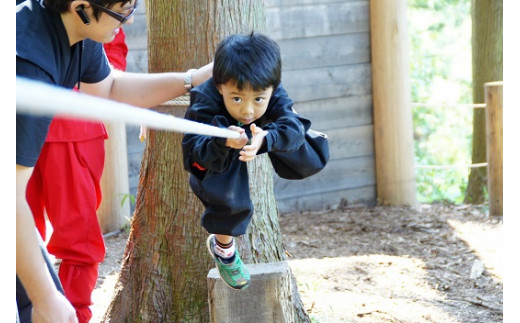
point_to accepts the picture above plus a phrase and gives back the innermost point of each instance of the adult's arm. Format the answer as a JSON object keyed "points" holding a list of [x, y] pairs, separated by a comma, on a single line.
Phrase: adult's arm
{"points": [[49, 305], [145, 89]]}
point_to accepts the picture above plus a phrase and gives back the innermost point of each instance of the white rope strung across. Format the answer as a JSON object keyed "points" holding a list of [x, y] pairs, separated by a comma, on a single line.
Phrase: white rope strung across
{"points": [[447, 105], [38, 98], [452, 166]]}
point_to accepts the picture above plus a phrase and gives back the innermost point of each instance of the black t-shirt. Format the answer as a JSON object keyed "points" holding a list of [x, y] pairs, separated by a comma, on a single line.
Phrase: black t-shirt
{"points": [[43, 53]]}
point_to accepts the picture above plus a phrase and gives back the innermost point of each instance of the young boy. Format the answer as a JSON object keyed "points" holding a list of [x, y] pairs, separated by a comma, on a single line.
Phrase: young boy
{"points": [[244, 95]]}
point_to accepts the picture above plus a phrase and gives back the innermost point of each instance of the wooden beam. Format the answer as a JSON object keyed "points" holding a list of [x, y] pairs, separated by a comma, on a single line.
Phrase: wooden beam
{"points": [[494, 92], [393, 128], [114, 182]]}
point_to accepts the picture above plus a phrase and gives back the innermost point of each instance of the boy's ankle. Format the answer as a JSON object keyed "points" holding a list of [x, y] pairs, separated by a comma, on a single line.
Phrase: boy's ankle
{"points": [[225, 251]]}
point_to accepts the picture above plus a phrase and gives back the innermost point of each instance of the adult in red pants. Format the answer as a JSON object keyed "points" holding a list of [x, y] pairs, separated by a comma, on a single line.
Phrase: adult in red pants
{"points": [[66, 184]]}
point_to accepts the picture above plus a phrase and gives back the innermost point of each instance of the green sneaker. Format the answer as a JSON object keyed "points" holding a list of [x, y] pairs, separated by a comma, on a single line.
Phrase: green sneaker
{"points": [[234, 274]]}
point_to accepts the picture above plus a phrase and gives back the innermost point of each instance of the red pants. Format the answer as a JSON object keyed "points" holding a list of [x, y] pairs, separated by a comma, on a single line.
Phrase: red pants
{"points": [[66, 183]]}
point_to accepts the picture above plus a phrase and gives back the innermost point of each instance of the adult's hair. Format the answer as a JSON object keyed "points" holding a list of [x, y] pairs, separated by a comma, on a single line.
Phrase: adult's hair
{"points": [[248, 60], [61, 6]]}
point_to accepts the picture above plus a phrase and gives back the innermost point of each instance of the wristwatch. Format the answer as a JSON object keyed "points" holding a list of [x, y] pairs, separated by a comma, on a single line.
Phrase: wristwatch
{"points": [[187, 79]]}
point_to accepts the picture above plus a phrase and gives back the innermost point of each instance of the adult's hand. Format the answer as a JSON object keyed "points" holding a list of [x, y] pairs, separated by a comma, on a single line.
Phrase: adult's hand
{"points": [[54, 309]]}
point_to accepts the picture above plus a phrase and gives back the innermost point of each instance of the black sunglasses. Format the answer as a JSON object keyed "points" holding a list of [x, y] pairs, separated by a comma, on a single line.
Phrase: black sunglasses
{"points": [[117, 16]]}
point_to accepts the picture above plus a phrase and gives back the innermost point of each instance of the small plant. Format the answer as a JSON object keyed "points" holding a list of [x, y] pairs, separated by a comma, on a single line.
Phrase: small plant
{"points": [[314, 320], [127, 196], [126, 227]]}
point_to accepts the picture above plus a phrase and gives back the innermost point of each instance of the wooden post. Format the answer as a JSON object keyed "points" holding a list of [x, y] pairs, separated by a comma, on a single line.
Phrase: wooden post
{"points": [[494, 140], [393, 128], [114, 182], [264, 301]]}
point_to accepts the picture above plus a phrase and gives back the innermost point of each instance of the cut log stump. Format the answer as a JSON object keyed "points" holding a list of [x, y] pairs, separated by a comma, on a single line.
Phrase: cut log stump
{"points": [[265, 300]]}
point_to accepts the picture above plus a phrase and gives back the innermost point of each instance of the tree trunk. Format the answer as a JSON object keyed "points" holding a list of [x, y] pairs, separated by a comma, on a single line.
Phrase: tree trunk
{"points": [[487, 45], [163, 276]]}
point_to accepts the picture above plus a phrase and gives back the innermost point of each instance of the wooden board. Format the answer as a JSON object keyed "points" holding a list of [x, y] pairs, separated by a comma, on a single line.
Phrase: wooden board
{"points": [[328, 82], [333, 113], [137, 61], [136, 33], [136, 40], [337, 175], [351, 142], [333, 18], [325, 51], [365, 196]]}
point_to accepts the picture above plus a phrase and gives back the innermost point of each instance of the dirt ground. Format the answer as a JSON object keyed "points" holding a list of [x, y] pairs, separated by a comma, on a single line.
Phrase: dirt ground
{"points": [[441, 263]]}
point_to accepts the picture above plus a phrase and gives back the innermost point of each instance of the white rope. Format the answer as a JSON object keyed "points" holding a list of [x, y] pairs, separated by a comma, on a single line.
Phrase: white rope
{"points": [[451, 166], [38, 98], [436, 105]]}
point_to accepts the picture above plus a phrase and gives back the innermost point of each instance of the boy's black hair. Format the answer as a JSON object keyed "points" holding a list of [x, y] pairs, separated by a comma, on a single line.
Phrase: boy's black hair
{"points": [[61, 6], [248, 60]]}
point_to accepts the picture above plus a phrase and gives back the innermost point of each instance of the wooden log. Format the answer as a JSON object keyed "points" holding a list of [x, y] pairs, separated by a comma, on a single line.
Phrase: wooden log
{"points": [[114, 182], [495, 151], [264, 301], [393, 128]]}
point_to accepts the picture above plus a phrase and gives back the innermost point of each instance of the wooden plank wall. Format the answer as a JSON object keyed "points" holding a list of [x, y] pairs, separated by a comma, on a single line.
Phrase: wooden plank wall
{"points": [[325, 49], [326, 70]]}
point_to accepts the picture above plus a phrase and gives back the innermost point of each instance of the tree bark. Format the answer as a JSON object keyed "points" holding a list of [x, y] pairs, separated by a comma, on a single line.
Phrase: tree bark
{"points": [[163, 275], [162, 278], [487, 46]]}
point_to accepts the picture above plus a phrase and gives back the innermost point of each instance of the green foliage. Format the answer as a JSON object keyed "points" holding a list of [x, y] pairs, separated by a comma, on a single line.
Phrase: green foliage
{"points": [[131, 199], [440, 67], [314, 320], [128, 196]]}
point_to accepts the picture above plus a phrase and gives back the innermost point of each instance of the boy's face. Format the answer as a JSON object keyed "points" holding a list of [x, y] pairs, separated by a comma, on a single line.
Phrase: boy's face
{"points": [[245, 105]]}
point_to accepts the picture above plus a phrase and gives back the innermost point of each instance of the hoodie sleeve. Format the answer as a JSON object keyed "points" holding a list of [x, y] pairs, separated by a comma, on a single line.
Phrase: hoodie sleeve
{"points": [[286, 128], [205, 153]]}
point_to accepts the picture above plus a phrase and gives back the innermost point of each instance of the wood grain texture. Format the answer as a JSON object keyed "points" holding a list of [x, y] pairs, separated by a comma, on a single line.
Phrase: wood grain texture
{"points": [[325, 51], [333, 113], [112, 214], [270, 283], [337, 175], [392, 109], [328, 82], [365, 196], [494, 93], [330, 18]]}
